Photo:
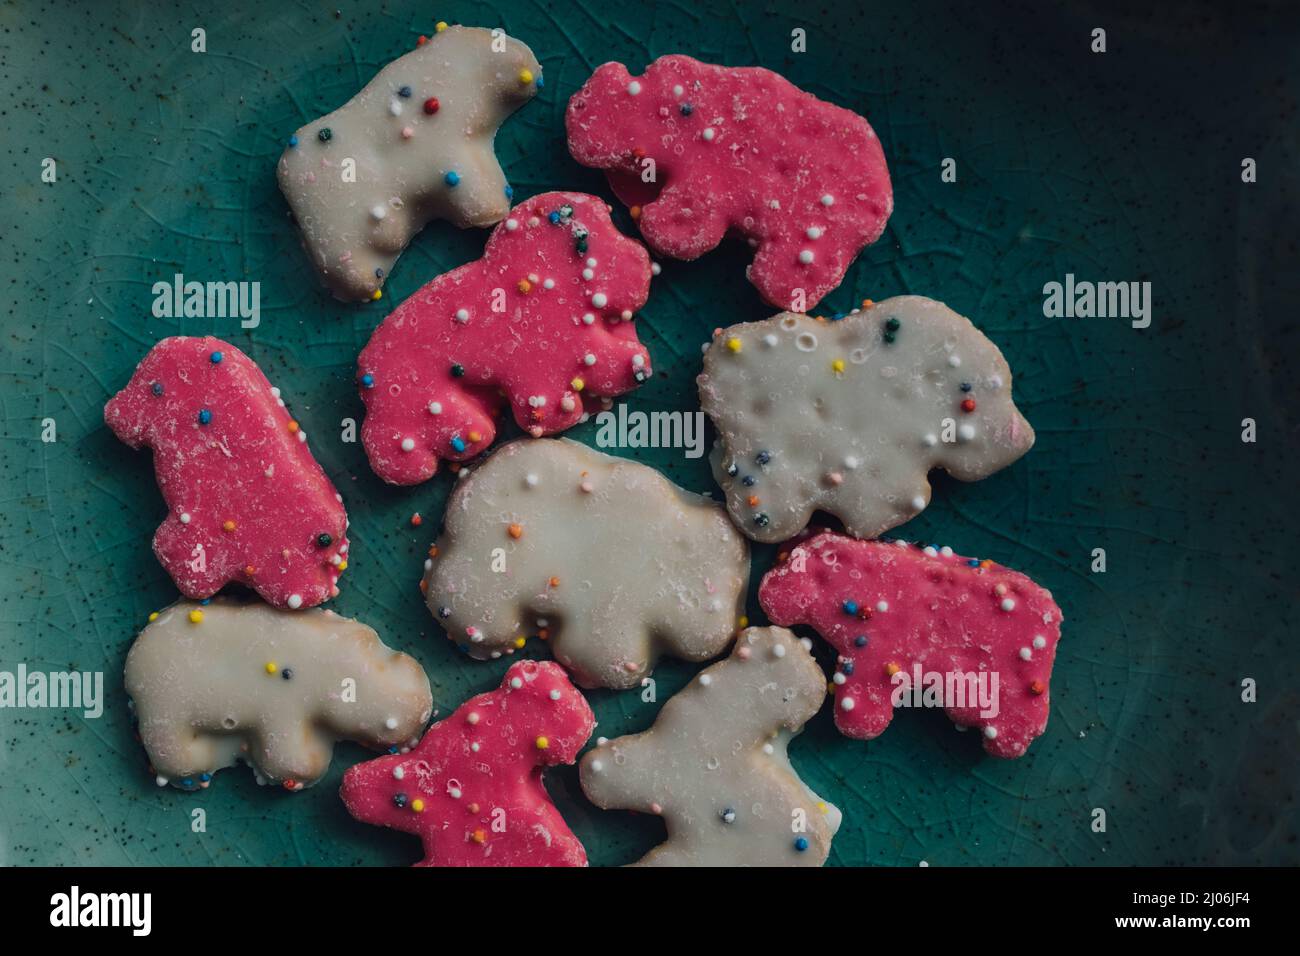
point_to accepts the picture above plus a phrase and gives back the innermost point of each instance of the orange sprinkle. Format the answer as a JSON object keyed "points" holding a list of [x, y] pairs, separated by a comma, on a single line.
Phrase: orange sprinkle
{"points": [[479, 836], [293, 426], [986, 563], [753, 501], [250, 570], [472, 808], [228, 526], [544, 634], [524, 286], [634, 212], [433, 550], [555, 582], [424, 587], [516, 531], [475, 437], [867, 303], [538, 414], [1037, 687], [892, 668]]}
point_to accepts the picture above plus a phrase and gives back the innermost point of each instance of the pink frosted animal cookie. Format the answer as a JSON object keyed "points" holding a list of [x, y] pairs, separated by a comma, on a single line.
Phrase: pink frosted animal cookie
{"points": [[920, 626], [545, 317], [699, 151], [246, 501], [472, 788]]}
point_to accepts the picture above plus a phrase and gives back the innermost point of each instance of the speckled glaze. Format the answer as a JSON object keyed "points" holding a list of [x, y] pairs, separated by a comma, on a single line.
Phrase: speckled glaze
{"points": [[738, 150], [546, 317], [416, 144]]}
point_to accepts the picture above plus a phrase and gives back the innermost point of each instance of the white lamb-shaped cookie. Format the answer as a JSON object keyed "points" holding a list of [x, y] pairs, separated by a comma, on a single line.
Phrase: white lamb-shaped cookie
{"points": [[413, 146], [849, 416], [235, 680], [714, 763], [615, 564]]}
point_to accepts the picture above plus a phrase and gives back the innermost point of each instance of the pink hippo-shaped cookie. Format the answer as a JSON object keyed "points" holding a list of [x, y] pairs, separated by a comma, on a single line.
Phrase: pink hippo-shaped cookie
{"points": [[920, 626], [246, 501], [699, 151], [545, 317], [472, 788]]}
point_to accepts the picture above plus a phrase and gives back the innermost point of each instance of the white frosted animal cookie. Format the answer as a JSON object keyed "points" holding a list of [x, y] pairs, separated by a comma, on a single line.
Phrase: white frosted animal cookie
{"points": [[849, 416], [714, 763], [612, 562], [236, 680], [413, 146]]}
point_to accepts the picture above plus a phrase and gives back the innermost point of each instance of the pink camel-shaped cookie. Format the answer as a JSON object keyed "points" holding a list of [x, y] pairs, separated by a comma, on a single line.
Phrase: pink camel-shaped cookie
{"points": [[899, 613], [545, 317], [472, 788]]}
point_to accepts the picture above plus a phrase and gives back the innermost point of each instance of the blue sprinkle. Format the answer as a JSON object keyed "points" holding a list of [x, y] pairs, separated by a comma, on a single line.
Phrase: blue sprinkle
{"points": [[205, 777], [687, 109], [510, 191], [860, 641], [965, 386], [404, 92], [216, 358], [457, 443], [452, 178], [293, 141], [540, 81], [367, 381], [847, 668], [801, 844], [187, 783], [974, 562], [156, 388], [205, 416], [850, 607], [837, 317], [554, 216], [392, 750], [206, 601], [748, 481]]}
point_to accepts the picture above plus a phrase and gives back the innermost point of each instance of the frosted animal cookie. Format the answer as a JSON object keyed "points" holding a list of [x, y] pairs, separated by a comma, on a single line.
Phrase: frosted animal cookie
{"points": [[413, 146], [472, 788], [742, 151], [246, 501], [938, 629], [849, 416], [544, 317], [228, 681], [714, 764], [617, 564]]}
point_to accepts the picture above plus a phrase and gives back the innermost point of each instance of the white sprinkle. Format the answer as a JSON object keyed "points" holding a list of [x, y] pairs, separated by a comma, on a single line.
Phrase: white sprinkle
{"points": [[600, 300], [597, 766], [1039, 641], [770, 340], [769, 749], [435, 408], [828, 199], [395, 107], [588, 318], [398, 773], [1026, 654], [638, 361], [391, 723], [655, 268], [930, 440], [1008, 604], [379, 212], [946, 551], [454, 792], [708, 134], [778, 651], [813, 233], [846, 703], [475, 745], [882, 606], [473, 717], [918, 503], [275, 392], [625, 315], [839, 678], [806, 256], [548, 284], [634, 87], [591, 262], [567, 403], [408, 444], [990, 732], [954, 361], [516, 683], [966, 432], [295, 601], [929, 551], [555, 695], [588, 274], [677, 90], [706, 679], [185, 517], [462, 315], [512, 225], [530, 480]]}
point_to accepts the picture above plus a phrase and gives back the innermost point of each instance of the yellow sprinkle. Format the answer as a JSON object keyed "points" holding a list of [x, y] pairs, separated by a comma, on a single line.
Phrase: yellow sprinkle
{"points": [[440, 26], [417, 805], [196, 616], [743, 621], [837, 366], [272, 667], [823, 806], [525, 77], [577, 384], [377, 295], [520, 642], [734, 344], [343, 566], [153, 616], [542, 743]]}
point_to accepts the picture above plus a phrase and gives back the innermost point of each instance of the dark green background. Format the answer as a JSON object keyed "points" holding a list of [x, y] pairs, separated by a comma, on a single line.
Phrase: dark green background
{"points": [[1122, 166]]}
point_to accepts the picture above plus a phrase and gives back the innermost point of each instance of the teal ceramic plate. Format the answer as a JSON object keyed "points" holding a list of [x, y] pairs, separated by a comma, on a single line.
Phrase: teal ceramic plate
{"points": [[1116, 166]]}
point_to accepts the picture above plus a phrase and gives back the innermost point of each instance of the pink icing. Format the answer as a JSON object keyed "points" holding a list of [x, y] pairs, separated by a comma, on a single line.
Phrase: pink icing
{"points": [[942, 613], [246, 501], [774, 152], [484, 806], [528, 341]]}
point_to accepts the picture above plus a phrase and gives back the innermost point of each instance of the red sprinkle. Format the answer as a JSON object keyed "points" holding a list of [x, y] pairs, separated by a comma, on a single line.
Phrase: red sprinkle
{"points": [[968, 405], [431, 105], [416, 520], [422, 40], [1037, 687]]}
